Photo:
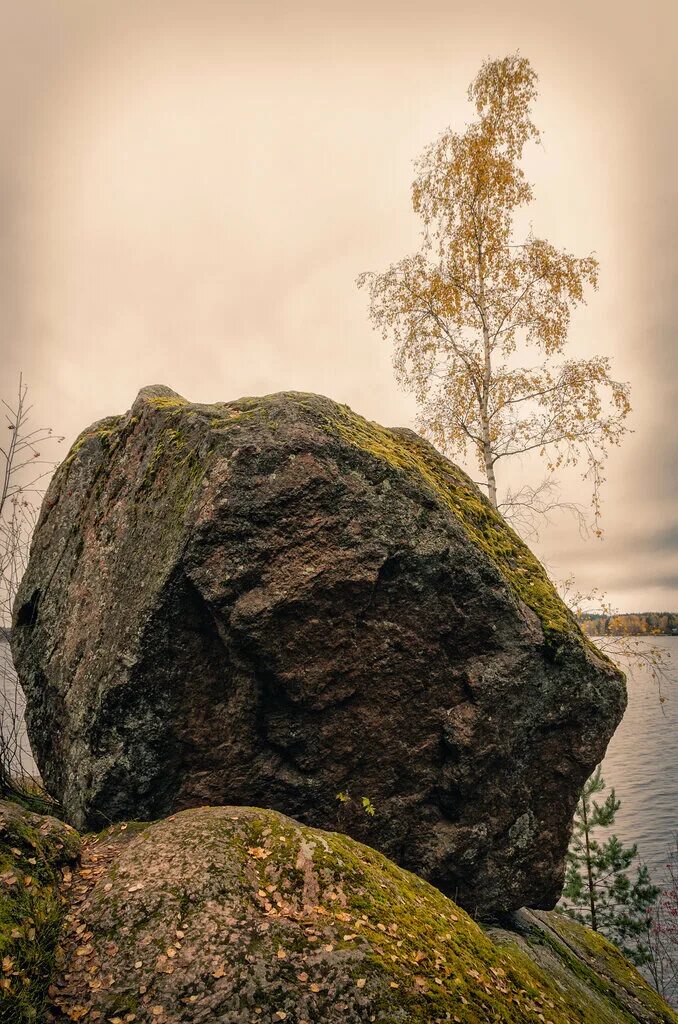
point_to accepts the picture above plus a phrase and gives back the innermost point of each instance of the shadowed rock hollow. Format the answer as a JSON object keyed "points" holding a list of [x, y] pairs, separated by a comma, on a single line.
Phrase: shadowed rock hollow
{"points": [[271, 601]]}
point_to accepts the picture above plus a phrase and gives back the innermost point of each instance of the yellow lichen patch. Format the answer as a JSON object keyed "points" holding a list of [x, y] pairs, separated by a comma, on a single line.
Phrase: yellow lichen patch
{"points": [[165, 402]]}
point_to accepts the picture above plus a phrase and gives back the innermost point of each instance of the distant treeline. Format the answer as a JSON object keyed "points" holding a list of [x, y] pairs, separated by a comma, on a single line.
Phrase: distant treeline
{"points": [[630, 624]]}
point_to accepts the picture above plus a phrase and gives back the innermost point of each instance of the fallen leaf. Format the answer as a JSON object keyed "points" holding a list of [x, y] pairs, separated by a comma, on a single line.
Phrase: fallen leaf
{"points": [[259, 852], [361, 982], [78, 1012]]}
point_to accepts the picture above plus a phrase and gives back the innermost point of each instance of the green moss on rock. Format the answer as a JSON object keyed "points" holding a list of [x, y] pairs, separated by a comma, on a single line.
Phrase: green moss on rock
{"points": [[602, 965], [33, 849], [241, 914], [403, 451], [412, 456], [104, 431], [415, 457], [167, 402]]}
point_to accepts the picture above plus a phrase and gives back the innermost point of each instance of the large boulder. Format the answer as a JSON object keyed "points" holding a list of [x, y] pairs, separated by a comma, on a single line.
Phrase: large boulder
{"points": [[275, 602], [236, 915]]}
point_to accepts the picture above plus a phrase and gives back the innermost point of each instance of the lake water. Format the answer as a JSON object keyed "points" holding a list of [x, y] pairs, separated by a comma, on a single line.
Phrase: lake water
{"points": [[12, 728], [642, 760]]}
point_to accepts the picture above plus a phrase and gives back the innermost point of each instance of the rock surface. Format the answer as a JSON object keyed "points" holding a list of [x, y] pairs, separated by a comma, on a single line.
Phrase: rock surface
{"points": [[34, 851], [273, 601], [237, 915]]}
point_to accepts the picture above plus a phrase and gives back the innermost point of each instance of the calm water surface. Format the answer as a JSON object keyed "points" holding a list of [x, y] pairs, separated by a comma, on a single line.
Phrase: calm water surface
{"points": [[642, 760]]}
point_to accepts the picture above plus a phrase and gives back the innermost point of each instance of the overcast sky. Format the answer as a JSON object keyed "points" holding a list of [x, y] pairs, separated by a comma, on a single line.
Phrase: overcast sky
{"points": [[188, 191]]}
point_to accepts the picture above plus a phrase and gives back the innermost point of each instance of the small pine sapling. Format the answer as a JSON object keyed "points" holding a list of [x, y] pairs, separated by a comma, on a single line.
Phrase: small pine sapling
{"points": [[606, 887]]}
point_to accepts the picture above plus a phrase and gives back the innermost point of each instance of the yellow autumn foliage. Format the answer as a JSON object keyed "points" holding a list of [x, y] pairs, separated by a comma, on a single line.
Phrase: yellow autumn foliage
{"points": [[479, 317]]}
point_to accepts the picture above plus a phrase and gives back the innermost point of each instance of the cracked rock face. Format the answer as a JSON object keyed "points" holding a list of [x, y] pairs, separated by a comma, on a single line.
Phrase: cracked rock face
{"points": [[273, 602]]}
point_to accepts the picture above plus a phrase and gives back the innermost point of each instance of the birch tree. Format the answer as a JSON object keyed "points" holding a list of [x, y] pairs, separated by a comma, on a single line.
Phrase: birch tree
{"points": [[479, 317]]}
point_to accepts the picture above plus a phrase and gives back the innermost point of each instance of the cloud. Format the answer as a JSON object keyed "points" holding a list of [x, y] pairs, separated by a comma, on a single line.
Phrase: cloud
{"points": [[187, 193]]}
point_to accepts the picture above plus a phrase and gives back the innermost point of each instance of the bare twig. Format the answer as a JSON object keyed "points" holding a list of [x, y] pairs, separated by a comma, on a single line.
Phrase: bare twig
{"points": [[22, 469], [635, 651], [663, 933], [529, 508]]}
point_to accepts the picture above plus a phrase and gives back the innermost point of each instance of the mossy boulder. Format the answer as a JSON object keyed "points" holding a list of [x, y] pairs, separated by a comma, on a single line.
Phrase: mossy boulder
{"points": [[273, 601], [237, 915], [35, 851]]}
